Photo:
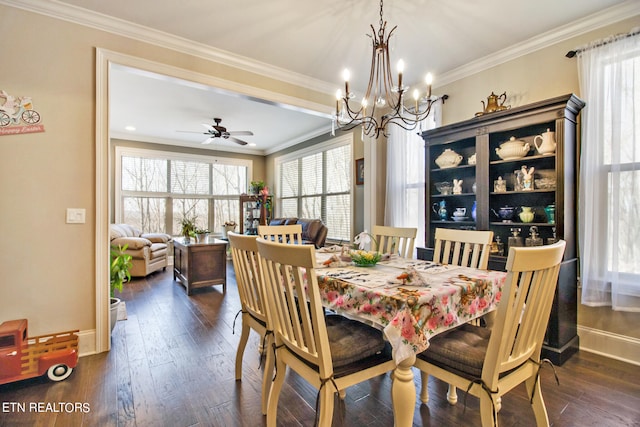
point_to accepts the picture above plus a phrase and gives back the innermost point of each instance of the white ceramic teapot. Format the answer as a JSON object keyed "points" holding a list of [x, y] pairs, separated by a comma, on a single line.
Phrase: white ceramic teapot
{"points": [[512, 149], [548, 144], [448, 159]]}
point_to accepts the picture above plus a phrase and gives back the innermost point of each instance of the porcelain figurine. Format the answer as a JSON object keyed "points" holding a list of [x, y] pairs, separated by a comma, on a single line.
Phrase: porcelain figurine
{"points": [[457, 186], [527, 178]]}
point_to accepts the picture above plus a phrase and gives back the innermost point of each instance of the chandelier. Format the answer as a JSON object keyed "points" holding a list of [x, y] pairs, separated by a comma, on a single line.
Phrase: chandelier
{"points": [[383, 102]]}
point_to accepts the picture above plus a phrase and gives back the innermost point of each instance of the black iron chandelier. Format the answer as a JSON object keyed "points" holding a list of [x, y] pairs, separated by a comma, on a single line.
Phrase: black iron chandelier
{"points": [[383, 102]]}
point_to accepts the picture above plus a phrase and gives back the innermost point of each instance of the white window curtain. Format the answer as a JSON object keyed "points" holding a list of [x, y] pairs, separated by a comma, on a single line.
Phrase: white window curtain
{"points": [[609, 196], [405, 199]]}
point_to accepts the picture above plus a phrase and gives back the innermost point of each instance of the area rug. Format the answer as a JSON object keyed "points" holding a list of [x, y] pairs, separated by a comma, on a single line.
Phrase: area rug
{"points": [[122, 311]]}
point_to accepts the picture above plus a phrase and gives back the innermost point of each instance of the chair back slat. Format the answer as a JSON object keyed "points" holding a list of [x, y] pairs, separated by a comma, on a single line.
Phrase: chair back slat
{"points": [[394, 240], [468, 248], [291, 233], [244, 254], [294, 299], [525, 305]]}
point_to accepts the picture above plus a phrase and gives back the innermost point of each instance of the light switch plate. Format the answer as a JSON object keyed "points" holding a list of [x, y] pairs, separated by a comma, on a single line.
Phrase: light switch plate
{"points": [[76, 215]]}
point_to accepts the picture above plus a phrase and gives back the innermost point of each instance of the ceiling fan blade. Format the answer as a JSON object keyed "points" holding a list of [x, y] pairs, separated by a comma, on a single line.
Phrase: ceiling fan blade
{"points": [[208, 141], [241, 132], [237, 141]]}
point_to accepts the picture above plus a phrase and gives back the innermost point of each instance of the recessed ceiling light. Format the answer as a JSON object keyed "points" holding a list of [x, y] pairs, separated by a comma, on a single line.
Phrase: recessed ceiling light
{"points": [[130, 128], [252, 144]]}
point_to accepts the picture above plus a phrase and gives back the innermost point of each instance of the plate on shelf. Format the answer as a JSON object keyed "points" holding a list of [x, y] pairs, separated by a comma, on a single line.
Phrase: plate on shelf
{"points": [[460, 218]]}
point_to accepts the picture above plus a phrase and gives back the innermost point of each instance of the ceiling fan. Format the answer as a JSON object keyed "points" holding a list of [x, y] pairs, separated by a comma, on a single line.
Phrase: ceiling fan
{"points": [[218, 131]]}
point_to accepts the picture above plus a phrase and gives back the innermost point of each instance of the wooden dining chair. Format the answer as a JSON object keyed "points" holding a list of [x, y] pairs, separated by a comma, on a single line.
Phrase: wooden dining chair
{"points": [[467, 248], [394, 240], [330, 352], [488, 363], [291, 233], [246, 264]]}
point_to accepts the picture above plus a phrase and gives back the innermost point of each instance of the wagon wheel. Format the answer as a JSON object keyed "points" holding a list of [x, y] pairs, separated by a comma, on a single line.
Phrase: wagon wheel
{"points": [[31, 117], [5, 120], [59, 372]]}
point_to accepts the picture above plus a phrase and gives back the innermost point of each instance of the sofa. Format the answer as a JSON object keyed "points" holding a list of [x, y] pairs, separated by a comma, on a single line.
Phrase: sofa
{"points": [[149, 251], [314, 232]]}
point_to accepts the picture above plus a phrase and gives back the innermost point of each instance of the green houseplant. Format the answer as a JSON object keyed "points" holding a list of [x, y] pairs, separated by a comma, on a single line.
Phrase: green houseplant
{"points": [[119, 266], [188, 228]]}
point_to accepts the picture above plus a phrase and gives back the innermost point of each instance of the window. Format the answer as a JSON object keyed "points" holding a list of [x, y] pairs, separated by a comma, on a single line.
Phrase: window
{"points": [[316, 183], [156, 190], [610, 173]]}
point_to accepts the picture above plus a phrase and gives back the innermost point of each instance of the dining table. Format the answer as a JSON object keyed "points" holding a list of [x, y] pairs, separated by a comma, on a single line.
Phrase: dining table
{"points": [[410, 300]]}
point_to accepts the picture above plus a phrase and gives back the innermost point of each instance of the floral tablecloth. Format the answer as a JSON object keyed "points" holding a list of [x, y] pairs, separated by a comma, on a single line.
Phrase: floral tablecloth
{"points": [[411, 300]]}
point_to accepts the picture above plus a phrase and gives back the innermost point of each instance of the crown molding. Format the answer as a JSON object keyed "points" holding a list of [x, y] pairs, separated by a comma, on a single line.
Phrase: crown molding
{"points": [[80, 16], [606, 17], [77, 15]]}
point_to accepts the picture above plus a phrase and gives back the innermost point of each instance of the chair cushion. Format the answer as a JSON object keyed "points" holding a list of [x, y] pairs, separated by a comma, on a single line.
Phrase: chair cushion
{"points": [[461, 350], [123, 230], [351, 341], [157, 237]]}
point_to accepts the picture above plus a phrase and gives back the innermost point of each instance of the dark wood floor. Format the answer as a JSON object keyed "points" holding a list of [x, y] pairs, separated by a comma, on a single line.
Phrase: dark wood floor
{"points": [[172, 364]]}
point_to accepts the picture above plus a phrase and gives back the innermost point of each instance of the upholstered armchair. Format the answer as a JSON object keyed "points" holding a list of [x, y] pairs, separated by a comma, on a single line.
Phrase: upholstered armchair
{"points": [[314, 232], [150, 251]]}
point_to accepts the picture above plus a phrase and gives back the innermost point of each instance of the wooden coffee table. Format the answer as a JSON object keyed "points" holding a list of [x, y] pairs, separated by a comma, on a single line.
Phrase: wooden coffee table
{"points": [[197, 265]]}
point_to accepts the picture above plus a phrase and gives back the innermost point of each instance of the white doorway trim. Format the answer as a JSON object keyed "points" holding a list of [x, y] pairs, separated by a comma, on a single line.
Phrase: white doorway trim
{"points": [[104, 60]]}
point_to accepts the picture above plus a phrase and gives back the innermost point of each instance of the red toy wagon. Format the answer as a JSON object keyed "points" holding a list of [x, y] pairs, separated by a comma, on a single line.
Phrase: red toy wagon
{"points": [[22, 357]]}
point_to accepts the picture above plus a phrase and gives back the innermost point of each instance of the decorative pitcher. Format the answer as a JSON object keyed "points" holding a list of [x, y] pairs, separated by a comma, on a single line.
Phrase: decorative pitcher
{"points": [[440, 209], [473, 211], [460, 212], [548, 144]]}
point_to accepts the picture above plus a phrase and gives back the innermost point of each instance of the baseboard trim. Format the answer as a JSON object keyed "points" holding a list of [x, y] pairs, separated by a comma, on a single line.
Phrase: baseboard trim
{"points": [[619, 347], [87, 343]]}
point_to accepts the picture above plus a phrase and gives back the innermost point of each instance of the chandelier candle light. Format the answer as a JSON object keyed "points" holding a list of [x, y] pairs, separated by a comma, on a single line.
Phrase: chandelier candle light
{"points": [[385, 99]]}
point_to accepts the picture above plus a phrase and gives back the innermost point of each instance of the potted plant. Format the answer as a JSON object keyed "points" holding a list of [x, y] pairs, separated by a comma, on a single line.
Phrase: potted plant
{"points": [[256, 187], [119, 273], [188, 228], [201, 235], [228, 226]]}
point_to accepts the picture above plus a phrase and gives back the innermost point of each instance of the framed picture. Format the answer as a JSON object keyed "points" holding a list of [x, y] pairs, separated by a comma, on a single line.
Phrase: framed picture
{"points": [[359, 171]]}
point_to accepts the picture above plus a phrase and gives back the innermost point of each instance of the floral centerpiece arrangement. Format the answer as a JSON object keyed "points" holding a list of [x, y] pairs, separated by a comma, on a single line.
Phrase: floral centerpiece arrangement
{"points": [[362, 257]]}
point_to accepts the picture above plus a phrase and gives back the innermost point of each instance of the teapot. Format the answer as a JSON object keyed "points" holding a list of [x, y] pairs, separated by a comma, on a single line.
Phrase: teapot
{"points": [[548, 144], [505, 213], [495, 103], [527, 214]]}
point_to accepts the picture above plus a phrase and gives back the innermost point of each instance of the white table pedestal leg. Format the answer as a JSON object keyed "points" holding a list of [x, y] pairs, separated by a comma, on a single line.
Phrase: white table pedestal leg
{"points": [[403, 393]]}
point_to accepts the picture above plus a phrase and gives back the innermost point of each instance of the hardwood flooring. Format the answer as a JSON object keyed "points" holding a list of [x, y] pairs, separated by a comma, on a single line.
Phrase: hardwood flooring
{"points": [[172, 364]]}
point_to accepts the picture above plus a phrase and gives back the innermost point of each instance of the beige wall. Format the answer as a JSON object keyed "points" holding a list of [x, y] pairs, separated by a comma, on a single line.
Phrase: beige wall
{"points": [[49, 265]]}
